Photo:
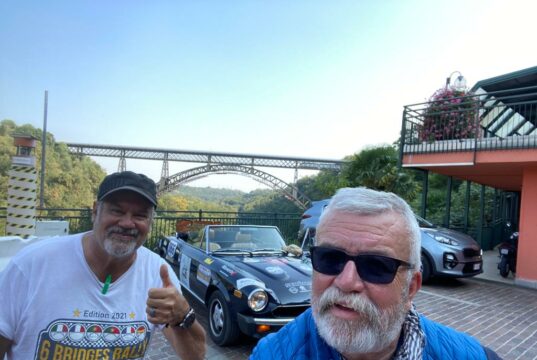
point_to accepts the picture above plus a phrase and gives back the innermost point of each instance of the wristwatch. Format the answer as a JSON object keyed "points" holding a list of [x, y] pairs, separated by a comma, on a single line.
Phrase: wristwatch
{"points": [[188, 320]]}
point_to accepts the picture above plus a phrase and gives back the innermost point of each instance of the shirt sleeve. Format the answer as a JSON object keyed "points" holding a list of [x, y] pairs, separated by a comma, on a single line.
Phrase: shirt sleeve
{"points": [[14, 289]]}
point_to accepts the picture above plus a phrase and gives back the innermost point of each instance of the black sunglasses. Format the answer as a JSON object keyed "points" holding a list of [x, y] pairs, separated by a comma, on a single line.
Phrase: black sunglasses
{"points": [[375, 269]]}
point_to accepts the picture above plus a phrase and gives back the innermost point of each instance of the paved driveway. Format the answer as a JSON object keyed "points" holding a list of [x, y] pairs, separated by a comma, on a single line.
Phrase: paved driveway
{"points": [[501, 316]]}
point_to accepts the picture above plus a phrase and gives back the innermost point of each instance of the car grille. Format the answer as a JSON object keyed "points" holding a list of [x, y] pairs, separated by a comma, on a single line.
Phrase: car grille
{"points": [[289, 311], [469, 252]]}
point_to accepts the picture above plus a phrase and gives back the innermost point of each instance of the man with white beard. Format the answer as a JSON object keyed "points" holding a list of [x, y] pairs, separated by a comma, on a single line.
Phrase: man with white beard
{"points": [[98, 294], [366, 264]]}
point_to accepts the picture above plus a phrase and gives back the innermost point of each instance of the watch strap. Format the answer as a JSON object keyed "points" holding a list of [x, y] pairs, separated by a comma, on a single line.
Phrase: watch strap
{"points": [[188, 320]]}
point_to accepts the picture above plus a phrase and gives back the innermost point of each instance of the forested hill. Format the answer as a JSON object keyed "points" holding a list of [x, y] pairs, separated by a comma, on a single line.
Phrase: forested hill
{"points": [[211, 194], [214, 199]]}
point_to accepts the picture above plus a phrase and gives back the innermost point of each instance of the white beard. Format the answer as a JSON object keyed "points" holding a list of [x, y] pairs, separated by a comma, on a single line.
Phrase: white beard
{"points": [[119, 248], [374, 331]]}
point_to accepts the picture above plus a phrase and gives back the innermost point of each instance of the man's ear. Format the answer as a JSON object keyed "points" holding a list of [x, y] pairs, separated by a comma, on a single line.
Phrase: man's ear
{"points": [[94, 211], [414, 286]]}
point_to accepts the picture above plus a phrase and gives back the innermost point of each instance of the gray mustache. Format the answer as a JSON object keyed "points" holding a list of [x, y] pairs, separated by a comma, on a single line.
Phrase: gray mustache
{"points": [[333, 296], [121, 231]]}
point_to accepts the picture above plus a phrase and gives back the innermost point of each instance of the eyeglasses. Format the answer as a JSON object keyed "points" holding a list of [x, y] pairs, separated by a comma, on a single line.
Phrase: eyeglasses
{"points": [[375, 269]]}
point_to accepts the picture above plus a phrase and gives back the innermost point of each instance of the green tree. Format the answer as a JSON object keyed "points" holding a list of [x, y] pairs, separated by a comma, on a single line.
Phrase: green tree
{"points": [[269, 201], [376, 168], [172, 202], [320, 186]]}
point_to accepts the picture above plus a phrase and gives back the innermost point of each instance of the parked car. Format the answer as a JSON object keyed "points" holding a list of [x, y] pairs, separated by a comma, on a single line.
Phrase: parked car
{"points": [[448, 253], [244, 275], [444, 252], [310, 218]]}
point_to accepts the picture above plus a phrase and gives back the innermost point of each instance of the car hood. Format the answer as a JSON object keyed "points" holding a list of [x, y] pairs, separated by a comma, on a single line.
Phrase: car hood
{"points": [[287, 279], [463, 239]]}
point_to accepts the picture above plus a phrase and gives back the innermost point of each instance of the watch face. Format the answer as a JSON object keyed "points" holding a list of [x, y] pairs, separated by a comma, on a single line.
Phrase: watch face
{"points": [[188, 320]]}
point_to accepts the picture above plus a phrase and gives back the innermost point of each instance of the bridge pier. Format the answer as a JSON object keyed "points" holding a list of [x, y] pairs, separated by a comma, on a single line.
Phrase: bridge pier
{"points": [[122, 165]]}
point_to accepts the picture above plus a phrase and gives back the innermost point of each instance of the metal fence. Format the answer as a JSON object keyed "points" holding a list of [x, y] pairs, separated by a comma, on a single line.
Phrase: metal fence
{"points": [[164, 222]]}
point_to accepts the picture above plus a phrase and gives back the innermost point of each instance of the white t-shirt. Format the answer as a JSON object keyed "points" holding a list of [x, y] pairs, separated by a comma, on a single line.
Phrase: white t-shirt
{"points": [[51, 305]]}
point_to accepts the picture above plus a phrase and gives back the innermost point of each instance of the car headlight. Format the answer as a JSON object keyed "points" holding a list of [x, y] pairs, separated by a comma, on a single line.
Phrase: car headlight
{"points": [[442, 239], [258, 299]]}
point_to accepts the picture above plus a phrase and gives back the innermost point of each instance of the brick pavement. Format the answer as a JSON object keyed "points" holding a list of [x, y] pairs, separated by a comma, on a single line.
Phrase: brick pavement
{"points": [[502, 317]]}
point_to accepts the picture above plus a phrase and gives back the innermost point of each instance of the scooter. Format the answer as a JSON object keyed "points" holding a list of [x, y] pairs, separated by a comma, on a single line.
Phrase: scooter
{"points": [[507, 255]]}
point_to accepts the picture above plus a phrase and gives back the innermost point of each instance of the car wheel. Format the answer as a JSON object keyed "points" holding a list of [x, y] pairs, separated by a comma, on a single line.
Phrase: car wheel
{"points": [[224, 329], [425, 269], [504, 267]]}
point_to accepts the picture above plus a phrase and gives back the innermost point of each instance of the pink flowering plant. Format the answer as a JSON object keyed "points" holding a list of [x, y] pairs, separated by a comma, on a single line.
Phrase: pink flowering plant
{"points": [[451, 114]]}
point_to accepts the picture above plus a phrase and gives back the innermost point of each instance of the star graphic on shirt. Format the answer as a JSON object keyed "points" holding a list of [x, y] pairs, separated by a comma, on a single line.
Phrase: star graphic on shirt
{"points": [[132, 315], [76, 313]]}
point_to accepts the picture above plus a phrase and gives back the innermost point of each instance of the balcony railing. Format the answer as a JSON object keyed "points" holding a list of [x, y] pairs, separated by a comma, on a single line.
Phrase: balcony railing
{"points": [[498, 120]]}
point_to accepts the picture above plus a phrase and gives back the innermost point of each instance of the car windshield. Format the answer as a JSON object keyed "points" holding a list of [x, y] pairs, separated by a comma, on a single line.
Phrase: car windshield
{"points": [[250, 238]]}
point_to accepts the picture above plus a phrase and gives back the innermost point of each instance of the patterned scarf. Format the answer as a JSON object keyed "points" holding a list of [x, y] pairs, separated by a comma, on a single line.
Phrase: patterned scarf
{"points": [[413, 338]]}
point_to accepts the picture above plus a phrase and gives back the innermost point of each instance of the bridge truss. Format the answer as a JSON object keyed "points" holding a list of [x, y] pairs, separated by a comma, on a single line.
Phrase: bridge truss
{"points": [[217, 163], [290, 191]]}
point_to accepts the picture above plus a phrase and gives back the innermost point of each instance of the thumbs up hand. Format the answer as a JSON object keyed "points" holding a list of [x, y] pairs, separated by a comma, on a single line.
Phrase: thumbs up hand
{"points": [[166, 305], [165, 276]]}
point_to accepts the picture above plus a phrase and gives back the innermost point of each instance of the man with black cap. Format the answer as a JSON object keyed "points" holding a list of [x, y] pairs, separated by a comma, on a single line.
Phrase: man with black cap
{"points": [[100, 294]]}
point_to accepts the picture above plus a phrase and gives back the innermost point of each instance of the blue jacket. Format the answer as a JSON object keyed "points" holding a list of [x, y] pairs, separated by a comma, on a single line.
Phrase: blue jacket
{"points": [[299, 340]]}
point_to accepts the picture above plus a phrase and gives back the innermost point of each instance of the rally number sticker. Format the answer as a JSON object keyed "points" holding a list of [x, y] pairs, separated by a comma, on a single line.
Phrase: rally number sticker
{"points": [[184, 271], [170, 250]]}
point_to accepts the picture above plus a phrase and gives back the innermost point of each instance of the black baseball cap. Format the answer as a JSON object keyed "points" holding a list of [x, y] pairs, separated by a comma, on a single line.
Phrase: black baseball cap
{"points": [[128, 180]]}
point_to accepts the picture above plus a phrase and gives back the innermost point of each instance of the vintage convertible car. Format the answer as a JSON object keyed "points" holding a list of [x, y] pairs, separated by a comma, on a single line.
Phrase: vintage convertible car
{"points": [[245, 275]]}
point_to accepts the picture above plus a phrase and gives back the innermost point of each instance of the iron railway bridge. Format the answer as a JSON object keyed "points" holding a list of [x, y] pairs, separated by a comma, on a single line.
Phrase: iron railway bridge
{"points": [[214, 163]]}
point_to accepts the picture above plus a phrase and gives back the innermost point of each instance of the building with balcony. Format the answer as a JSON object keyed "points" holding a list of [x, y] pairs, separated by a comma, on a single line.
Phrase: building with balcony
{"points": [[487, 137]]}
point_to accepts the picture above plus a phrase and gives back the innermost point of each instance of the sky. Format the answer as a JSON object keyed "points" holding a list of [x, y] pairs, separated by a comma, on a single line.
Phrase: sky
{"points": [[304, 78]]}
